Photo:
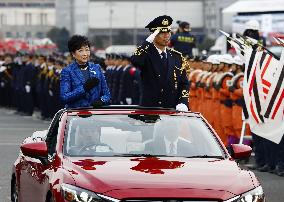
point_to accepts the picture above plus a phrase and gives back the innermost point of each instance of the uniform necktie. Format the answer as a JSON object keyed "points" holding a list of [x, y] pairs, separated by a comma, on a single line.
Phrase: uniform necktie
{"points": [[164, 59]]}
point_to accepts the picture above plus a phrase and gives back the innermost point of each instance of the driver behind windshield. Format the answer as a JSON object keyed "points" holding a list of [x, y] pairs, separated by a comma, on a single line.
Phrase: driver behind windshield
{"points": [[87, 141], [167, 141], [88, 136]]}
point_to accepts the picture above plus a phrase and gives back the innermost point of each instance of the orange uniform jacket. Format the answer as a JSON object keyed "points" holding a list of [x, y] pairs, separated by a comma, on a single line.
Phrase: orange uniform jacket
{"points": [[225, 108]]}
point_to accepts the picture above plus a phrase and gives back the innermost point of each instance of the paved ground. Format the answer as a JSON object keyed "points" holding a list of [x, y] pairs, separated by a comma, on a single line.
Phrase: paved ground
{"points": [[14, 128]]}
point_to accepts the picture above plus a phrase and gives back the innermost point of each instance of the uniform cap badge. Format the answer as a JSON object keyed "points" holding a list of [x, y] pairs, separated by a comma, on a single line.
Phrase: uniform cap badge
{"points": [[165, 22]]}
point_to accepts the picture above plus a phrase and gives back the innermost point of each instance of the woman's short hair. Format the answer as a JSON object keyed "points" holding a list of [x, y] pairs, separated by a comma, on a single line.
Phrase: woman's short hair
{"points": [[76, 42]]}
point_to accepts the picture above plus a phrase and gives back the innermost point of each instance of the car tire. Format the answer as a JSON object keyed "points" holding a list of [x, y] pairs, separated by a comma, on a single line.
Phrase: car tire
{"points": [[49, 197], [14, 190], [50, 200]]}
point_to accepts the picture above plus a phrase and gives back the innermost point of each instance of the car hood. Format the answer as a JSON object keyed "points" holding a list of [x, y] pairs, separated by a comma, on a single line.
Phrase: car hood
{"points": [[121, 177]]}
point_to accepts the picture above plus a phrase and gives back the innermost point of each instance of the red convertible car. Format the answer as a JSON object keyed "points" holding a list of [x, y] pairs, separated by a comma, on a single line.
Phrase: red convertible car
{"points": [[131, 154]]}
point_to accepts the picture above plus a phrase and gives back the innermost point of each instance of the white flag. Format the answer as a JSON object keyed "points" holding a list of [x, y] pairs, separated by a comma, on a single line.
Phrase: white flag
{"points": [[273, 107]]}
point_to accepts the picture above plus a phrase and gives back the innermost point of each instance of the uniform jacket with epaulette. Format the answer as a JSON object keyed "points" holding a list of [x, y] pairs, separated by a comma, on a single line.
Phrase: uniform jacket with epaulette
{"points": [[72, 92], [156, 90]]}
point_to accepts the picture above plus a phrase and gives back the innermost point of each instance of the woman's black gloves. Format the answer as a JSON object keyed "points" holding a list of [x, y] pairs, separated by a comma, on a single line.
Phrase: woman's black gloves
{"points": [[91, 83], [98, 103]]}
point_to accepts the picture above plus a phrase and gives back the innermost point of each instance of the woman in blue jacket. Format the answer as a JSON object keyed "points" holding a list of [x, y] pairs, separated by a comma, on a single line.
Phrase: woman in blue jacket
{"points": [[82, 83]]}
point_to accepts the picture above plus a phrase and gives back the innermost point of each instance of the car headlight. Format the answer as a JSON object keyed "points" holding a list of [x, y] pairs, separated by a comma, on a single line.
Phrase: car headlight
{"points": [[72, 193], [255, 195]]}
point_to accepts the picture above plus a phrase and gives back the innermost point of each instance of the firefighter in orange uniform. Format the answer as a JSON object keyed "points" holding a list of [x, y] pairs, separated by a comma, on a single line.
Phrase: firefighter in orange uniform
{"points": [[193, 76], [206, 110], [236, 95], [199, 91], [209, 90], [224, 98], [215, 98], [192, 89]]}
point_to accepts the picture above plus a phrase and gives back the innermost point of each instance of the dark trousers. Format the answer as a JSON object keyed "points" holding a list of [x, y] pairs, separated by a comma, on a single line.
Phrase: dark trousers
{"points": [[280, 154], [9, 96], [270, 153], [2, 96], [259, 149], [14, 98], [44, 103], [50, 106], [28, 103], [20, 100]]}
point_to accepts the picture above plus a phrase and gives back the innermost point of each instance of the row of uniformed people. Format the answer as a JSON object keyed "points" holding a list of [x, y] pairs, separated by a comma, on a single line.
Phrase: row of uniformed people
{"points": [[123, 80], [217, 84], [6, 78], [29, 81], [47, 87], [216, 90]]}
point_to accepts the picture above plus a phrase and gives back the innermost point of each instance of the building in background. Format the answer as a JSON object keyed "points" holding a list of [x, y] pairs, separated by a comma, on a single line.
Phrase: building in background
{"points": [[26, 18], [109, 22], [73, 15], [214, 17]]}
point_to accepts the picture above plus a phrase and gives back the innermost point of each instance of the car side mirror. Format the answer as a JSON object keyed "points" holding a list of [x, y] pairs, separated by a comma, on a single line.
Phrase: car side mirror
{"points": [[34, 150], [240, 151]]}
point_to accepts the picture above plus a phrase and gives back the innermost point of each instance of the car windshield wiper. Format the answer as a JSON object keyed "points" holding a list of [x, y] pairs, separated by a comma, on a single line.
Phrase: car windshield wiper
{"points": [[205, 156]]}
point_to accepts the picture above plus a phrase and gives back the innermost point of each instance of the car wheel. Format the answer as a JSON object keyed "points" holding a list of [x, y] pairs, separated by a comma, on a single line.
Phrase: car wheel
{"points": [[14, 190], [49, 198]]}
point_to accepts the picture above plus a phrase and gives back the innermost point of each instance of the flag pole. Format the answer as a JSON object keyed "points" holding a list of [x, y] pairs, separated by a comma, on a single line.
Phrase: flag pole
{"points": [[243, 132], [249, 40]]}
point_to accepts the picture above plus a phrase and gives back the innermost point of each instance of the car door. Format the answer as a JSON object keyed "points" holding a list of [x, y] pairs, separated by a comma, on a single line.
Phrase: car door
{"points": [[32, 180], [34, 177]]}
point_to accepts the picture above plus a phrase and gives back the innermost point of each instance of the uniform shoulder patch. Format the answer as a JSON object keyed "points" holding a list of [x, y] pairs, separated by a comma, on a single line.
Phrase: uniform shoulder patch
{"points": [[175, 51], [141, 49]]}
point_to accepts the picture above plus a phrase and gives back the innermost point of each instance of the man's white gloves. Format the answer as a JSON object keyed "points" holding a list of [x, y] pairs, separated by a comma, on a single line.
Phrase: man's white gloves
{"points": [[128, 101], [50, 93], [182, 108], [28, 88], [151, 38], [3, 68]]}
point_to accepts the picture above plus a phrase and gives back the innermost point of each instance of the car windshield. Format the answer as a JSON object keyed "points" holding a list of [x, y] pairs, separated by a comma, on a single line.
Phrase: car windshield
{"points": [[140, 135]]}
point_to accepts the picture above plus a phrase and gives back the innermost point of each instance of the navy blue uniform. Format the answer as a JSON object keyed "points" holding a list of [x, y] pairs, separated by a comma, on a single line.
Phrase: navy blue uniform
{"points": [[29, 80], [164, 84], [5, 86], [183, 42], [18, 75], [128, 87], [117, 74]]}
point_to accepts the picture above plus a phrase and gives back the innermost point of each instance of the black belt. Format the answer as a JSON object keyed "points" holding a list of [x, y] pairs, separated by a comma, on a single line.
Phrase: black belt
{"points": [[227, 102]]}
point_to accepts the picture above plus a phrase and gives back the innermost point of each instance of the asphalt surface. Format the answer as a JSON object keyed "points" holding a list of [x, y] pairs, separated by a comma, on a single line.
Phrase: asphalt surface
{"points": [[14, 129]]}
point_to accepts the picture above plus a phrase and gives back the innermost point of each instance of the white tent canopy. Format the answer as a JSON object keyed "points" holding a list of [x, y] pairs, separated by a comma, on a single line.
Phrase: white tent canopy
{"points": [[127, 49], [254, 6]]}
